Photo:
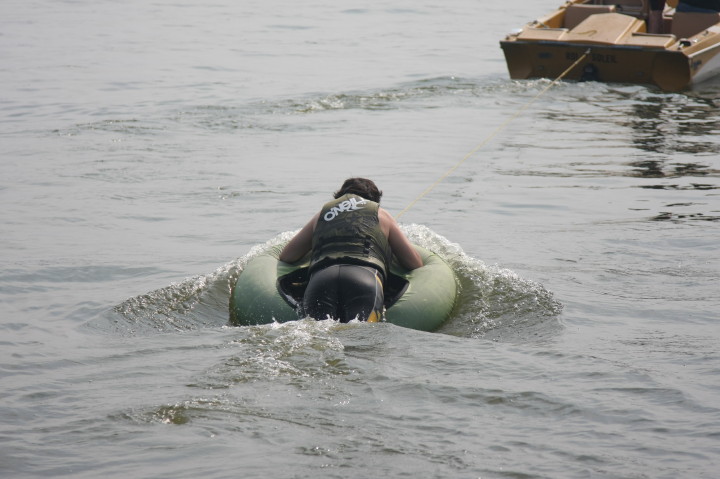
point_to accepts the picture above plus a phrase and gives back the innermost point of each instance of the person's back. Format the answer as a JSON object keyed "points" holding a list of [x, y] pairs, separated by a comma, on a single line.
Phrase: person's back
{"points": [[352, 241], [348, 230]]}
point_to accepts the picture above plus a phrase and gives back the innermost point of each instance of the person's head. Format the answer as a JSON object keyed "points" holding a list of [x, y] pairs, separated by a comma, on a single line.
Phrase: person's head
{"points": [[362, 187]]}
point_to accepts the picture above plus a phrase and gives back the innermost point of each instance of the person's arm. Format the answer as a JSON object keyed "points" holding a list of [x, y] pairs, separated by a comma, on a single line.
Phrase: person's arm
{"points": [[300, 244], [401, 246]]}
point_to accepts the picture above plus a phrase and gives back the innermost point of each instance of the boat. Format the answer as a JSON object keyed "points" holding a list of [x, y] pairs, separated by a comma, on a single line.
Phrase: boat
{"points": [[269, 290], [608, 40]]}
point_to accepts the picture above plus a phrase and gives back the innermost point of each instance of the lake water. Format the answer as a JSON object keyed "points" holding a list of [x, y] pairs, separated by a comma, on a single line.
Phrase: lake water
{"points": [[150, 149]]}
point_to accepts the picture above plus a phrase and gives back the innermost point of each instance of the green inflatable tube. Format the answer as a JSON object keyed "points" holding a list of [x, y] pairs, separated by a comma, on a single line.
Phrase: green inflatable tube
{"points": [[269, 290]]}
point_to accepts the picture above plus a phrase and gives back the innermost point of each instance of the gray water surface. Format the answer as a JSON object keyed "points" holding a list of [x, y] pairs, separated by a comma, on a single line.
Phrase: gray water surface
{"points": [[149, 150]]}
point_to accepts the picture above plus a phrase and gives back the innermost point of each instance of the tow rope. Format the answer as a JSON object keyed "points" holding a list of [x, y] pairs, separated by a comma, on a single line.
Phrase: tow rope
{"points": [[493, 134]]}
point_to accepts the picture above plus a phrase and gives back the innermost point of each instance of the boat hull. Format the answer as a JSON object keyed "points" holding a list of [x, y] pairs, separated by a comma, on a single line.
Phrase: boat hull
{"points": [[610, 64]]}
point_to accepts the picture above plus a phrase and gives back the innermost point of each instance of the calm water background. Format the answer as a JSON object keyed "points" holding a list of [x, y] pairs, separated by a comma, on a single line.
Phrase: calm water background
{"points": [[149, 149]]}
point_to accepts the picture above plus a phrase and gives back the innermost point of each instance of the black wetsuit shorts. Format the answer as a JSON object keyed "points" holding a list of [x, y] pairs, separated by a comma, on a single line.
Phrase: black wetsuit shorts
{"points": [[345, 292]]}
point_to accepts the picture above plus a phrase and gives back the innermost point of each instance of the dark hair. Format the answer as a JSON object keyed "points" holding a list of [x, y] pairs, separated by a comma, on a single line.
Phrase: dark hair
{"points": [[361, 187]]}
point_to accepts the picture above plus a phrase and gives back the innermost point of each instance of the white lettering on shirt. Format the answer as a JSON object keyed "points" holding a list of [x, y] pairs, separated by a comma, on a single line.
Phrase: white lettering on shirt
{"points": [[348, 205]]}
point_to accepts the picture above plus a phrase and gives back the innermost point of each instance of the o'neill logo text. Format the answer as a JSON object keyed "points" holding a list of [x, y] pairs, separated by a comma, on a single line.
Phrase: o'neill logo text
{"points": [[348, 205]]}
